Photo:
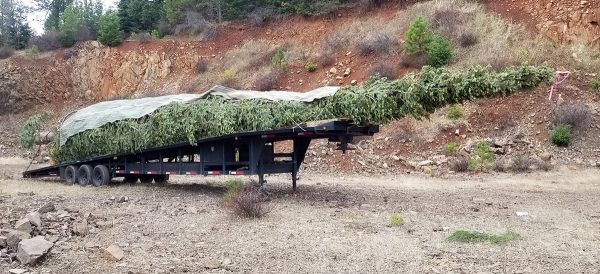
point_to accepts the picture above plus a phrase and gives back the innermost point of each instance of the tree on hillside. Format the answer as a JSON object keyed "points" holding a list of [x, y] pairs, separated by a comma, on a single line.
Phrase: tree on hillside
{"points": [[139, 15], [55, 8], [110, 30], [418, 37], [80, 21], [14, 31]]}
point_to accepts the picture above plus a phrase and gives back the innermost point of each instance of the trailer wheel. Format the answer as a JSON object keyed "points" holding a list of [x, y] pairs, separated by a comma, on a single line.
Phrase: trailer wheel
{"points": [[70, 175], [84, 175], [146, 179], [161, 179], [100, 176], [130, 179]]}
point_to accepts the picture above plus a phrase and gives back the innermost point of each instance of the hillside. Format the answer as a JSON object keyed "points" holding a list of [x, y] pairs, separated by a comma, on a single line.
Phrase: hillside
{"points": [[348, 45]]}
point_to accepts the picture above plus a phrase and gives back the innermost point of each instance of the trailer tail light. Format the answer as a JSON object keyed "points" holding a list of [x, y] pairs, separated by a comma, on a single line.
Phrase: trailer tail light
{"points": [[120, 171], [306, 133], [134, 172], [152, 172], [191, 173], [171, 173], [213, 172], [236, 173]]}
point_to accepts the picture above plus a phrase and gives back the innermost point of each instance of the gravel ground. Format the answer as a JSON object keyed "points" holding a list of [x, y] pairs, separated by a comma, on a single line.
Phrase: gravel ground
{"points": [[330, 225]]}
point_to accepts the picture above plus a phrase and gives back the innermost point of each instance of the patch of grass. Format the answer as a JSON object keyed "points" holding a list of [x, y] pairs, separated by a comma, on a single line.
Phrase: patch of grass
{"points": [[455, 112], [561, 135], [521, 164], [595, 83], [466, 236], [396, 220], [310, 67], [33, 52], [451, 149], [234, 186]]}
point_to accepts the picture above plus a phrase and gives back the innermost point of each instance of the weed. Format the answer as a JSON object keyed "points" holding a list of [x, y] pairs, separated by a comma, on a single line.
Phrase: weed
{"points": [[595, 83], [544, 165], [396, 220], [279, 61], [376, 43], [33, 52], [310, 67], [30, 130], [229, 79], [383, 70], [521, 164], [484, 157], [577, 116], [201, 65], [499, 166], [468, 39], [234, 186], [267, 82], [326, 60], [466, 236], [459, 165], [454, 113], [561, 135], [247, 201], [413, 61], [451, 149]]}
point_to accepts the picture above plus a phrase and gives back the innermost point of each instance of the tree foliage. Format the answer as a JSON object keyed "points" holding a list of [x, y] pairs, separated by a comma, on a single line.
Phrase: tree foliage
{"points": [[139, 15], [418, 37], [110, 33], [14, 31], [79, 21], [439, 52], [378, 101]]}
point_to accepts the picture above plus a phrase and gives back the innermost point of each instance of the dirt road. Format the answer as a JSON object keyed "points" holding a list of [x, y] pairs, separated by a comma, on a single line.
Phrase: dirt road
{"points": [[330, 225]]}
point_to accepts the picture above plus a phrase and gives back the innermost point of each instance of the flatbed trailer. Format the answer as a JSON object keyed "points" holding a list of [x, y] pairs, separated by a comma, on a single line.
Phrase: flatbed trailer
{"points": [[247, 153]]}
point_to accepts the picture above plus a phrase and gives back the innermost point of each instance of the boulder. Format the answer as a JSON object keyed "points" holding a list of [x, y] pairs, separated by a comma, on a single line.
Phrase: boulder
{"points": [[114, 252], [14, 238], [34, 218], [49, 207], [23, 225], [32, 250]]}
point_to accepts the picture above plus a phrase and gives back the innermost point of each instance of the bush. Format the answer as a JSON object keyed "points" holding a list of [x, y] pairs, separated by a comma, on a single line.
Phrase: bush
{"points": [[144, 38], [310, 67], [279, 61], [413, 61], [164, 29], [521, 164], [595, 83], [249, 203], [110, 30], [446, 19], [468, 39], [201, 65], [267, 82], [454, 113], [32, 52], [229, 79], [6, 51], [195, 25], [459, 165], [417, 37], [396, 219], [234, 187], [84, 33], [577, 116], [259, 16], [326, 60], [451, 149], [30, 130], [47, 41], [439, 52], [376, 43], [561, 135], [383, 70]]}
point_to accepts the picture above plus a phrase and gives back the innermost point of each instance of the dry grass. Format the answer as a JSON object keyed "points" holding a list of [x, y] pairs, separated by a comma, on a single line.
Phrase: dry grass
{"points": [[577, 115]]}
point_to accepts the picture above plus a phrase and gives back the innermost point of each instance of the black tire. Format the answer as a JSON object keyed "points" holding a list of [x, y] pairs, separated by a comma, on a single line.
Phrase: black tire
{"points": [[100, 176], [70, 175], [84, 175], [130, 179], [146, 179], [161, 179]]}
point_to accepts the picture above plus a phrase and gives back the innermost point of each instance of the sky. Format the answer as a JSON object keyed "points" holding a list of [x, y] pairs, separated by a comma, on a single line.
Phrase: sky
{"points": [[36, 18]]}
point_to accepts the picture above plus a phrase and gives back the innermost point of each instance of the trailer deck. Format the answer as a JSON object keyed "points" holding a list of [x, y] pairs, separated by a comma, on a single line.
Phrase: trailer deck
{"points": [[247, 153]]}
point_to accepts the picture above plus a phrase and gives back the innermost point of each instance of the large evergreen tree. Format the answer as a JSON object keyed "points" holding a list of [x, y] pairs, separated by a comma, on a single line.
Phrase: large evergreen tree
{"points": [[14, 31], [139, 15], [110, 33]]}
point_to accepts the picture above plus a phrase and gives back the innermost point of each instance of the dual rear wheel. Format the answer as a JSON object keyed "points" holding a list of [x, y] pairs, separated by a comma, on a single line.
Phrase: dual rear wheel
{"points": [[85, 175]]}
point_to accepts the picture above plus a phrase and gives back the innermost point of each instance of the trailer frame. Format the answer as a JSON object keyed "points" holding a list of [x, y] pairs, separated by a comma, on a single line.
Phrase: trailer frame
{"points": [[245, 153]]}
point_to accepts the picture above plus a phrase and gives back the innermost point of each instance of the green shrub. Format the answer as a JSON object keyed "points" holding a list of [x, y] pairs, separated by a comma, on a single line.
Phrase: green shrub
{"points": [[279, 61], [561, 135], [595, 84], [396, 220], [310, 67], [439, 52], [451, 149], [110, 33], [30, 130], [234, 186], [484, 156], [32, 52], [454, 113], [417, 37]]}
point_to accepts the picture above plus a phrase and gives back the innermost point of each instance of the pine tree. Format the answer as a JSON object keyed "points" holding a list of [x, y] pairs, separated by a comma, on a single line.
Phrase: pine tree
{"points": [[110, 33], [418, 37]]}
